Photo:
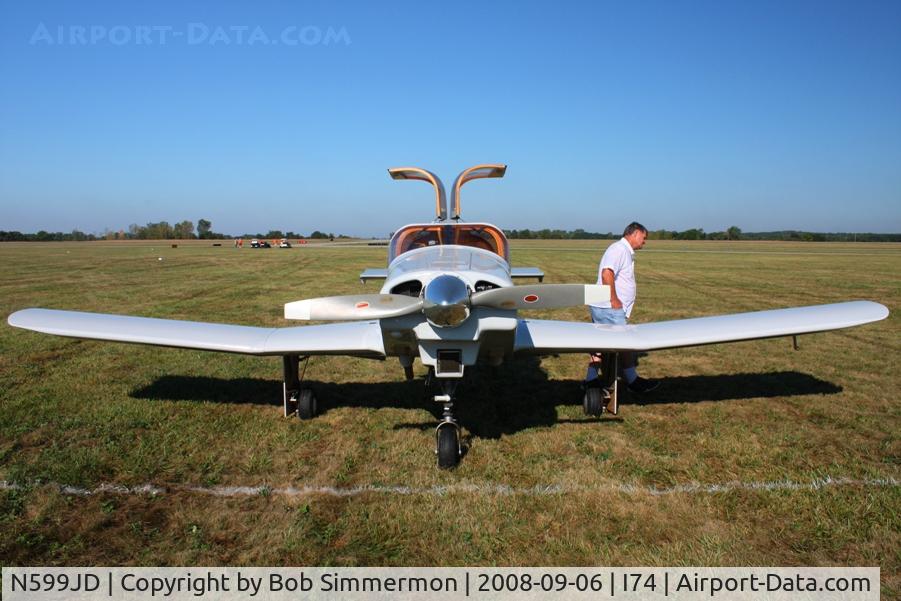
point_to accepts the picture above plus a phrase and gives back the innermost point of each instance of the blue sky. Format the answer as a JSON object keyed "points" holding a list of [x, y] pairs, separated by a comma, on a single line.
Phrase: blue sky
{"points": [[765, 115]]}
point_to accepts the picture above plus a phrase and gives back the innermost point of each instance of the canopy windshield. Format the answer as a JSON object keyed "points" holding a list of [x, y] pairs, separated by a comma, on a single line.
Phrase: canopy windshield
{"points": [[474, 235]]}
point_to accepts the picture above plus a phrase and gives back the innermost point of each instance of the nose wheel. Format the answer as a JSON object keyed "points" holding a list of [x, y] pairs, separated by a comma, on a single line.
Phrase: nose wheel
{"points": [[447, 434], [448, 445]]}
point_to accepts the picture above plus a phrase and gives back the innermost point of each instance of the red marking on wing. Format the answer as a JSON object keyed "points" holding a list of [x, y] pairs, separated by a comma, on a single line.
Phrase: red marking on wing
{"points": [[362, 305], [531, 298]]}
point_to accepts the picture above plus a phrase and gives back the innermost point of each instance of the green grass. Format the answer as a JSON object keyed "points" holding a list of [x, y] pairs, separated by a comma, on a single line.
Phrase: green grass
{"points": [[85, 413]]}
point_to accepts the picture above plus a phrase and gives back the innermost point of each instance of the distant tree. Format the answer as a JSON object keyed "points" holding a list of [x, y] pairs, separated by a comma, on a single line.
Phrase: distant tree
{"points": [[159, 231], [204, 227], [692, 234], [733, 233], [275, 234], [184, 230]]}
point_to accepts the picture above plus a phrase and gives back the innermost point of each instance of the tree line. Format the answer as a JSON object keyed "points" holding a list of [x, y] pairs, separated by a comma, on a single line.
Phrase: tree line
{"points": [[161, 230], [732, 233], [277, 234], [185, 230]]}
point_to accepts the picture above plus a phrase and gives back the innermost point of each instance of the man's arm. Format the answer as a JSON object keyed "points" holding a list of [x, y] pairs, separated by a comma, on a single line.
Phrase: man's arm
{"points": [[609, 279]]}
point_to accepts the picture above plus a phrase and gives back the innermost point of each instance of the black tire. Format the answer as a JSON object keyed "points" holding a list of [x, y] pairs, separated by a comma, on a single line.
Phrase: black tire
{"points": [[593, 403], [448, 447], [306, 404]]}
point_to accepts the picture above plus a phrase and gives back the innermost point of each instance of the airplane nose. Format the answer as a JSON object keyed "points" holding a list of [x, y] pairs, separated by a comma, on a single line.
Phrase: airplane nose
{"points": [[446, 301]]}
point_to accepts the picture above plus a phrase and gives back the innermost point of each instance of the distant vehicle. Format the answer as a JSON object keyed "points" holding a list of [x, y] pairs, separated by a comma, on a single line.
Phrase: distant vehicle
{"points": [[283, 243], [259, 244]]}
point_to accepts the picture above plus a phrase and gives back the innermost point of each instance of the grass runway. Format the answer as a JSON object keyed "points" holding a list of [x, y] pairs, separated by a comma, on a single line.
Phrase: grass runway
{"points": [[729, 423]]}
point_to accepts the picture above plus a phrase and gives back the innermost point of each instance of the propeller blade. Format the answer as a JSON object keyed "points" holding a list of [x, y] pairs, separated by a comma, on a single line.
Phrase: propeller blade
{"points": [[352, 307], [542, 296]]}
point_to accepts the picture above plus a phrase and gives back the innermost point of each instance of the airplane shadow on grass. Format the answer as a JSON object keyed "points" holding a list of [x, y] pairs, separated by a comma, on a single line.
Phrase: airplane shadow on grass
{"points": [[491, 402]]}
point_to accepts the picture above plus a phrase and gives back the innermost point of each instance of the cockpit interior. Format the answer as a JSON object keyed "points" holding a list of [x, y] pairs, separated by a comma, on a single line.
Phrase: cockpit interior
{"points": [[474, 235]]}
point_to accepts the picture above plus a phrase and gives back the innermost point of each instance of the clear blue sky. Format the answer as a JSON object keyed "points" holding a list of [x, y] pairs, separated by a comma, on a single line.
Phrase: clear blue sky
{"points": [[765, 115]]}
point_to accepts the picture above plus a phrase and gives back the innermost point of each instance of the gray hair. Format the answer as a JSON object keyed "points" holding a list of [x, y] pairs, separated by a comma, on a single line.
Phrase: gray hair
{"points": [[633, 227]]}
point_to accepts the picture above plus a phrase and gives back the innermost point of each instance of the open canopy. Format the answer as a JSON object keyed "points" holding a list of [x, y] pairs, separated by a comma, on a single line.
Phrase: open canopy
{"points": [[474, 235]]}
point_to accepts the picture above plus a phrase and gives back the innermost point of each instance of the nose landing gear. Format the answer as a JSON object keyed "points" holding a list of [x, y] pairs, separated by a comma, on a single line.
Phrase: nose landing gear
{"points": [[447, 434]]}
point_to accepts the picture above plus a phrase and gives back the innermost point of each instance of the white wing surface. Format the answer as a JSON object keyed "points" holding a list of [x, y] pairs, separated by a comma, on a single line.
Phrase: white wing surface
{"points": [[549, 337], [363, 339]]}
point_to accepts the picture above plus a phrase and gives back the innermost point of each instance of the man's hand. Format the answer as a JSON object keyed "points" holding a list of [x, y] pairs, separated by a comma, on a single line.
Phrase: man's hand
{"points": [[609, 279]]}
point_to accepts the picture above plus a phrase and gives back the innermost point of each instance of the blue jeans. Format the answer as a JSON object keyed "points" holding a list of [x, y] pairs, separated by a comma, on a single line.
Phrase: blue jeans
{"points": [[607, 316], [616, 317]]}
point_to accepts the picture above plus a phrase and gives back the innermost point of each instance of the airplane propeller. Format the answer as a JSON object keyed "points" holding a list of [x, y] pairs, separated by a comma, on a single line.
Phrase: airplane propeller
{"points": [[542, 296], [445, 302], [353, 307]]}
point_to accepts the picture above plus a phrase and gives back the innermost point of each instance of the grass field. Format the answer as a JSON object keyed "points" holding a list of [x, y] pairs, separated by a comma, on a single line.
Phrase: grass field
{"points": [[724, 465]]}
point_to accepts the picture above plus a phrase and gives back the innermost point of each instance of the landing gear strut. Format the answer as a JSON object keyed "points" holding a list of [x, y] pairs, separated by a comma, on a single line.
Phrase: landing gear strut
{"points": [[602, 394], [298, 400], [447, 434]]}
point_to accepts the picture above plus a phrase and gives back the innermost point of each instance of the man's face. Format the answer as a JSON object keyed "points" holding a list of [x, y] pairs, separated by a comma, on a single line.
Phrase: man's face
{"points": [[636, 239]]}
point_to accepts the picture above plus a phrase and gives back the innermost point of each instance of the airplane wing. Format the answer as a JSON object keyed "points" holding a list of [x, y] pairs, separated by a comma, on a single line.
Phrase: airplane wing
{"points": [[361, 338], [526, 272], [544, 337], [373, 273]]}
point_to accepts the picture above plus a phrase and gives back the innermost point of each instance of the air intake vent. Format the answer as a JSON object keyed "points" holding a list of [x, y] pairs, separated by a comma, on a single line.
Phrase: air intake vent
{"points": [[450, 363], [412, 288]]}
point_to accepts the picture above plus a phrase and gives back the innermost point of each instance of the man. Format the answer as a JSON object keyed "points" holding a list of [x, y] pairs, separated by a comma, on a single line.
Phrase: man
{"points": [[617, 270]]}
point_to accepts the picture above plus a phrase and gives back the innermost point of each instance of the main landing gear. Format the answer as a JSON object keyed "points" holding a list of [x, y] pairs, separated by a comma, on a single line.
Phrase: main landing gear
{"points": [[602, 393], [298, 400]]}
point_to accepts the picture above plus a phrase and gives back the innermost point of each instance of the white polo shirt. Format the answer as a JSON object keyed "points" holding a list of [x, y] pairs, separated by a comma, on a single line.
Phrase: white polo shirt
{"points": [[620, 259]]}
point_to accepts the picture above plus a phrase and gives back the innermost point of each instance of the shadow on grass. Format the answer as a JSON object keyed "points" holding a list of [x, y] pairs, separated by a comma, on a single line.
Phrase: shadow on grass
{"points": [[731, 387], [491, 402]]}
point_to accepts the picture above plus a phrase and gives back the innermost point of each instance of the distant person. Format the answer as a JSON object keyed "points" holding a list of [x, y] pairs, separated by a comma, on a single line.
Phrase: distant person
{"points": [[617, 270]]}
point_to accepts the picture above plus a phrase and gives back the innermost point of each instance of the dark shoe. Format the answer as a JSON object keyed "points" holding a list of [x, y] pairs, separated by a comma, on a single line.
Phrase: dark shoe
{"points": [[641, 385]]}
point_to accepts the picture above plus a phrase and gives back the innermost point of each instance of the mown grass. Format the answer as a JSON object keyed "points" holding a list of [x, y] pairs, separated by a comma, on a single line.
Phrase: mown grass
{"points": [[84, 413]]}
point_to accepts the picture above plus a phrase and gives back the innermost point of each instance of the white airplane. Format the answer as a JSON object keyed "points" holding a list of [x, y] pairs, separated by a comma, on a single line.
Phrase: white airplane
{"points": [[449, 299]]}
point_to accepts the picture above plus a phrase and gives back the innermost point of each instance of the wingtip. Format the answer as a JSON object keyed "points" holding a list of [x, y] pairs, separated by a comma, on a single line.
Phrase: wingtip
{"points": [[18, 319], [882, 310]]}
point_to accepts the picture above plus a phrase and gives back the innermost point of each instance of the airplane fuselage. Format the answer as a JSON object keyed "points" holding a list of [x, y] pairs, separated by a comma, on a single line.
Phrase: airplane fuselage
{"points": [[487, 333]]}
